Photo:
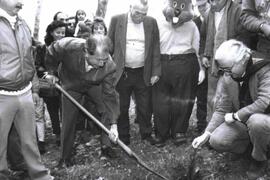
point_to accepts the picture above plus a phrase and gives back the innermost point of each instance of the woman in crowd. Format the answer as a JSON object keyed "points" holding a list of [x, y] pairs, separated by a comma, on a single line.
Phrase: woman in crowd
{"points": [[55, 31]]}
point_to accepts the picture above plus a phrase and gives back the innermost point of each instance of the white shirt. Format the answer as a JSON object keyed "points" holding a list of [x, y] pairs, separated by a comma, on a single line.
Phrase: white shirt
{"points": [[218, 16], [181, 40], [135, 43], [12, 19]]}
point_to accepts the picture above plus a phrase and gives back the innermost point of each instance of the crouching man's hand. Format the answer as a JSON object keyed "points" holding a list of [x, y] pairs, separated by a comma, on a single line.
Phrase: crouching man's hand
{"points": [[51, 78], [113, 133], [201, 140]]}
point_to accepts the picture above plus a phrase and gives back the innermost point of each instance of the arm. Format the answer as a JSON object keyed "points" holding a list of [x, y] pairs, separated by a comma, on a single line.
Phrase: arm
{"points": [[262, 100], [53, 57], [250, 17], [110, 99], [196, 46], [223, 105], [111, 33], [156, 51]]}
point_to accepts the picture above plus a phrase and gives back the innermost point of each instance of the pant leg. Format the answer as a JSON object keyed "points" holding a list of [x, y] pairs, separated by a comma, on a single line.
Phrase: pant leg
{"points": [[9, 107], [40, 120], [94, 94], [53, 106], [184, 74], [26, 127], [14, 153], [143, 104], [259, 131], [161, 103], [230, 138], [70, 115], [124, 88], [202, 103]]}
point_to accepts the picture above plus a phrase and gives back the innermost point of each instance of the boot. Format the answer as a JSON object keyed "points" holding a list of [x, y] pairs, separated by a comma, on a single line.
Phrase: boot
{"points": [[256, 169]]}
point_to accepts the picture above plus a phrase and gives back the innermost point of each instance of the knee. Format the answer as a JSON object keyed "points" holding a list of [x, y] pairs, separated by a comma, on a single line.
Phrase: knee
{"points": [[255, 123], [219, 143]]}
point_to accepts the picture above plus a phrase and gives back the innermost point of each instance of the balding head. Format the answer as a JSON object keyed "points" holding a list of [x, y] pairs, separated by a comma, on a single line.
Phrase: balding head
{"points": [[138, 10], [140, 4], [12, 7], [231, 52]]}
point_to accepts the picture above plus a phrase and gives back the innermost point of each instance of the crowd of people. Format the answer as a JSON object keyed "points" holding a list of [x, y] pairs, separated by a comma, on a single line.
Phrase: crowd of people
{"points": [[218, 59]]}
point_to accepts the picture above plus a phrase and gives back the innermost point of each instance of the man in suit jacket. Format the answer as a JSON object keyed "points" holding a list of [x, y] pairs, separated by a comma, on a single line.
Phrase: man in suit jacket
{"points": [[136, 53]]}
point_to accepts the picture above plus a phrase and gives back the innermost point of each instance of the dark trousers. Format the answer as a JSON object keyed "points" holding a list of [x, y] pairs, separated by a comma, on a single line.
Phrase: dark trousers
{"points": [[174, 94], [132, 81], [71, 114], [53, 106], [202, 103]]}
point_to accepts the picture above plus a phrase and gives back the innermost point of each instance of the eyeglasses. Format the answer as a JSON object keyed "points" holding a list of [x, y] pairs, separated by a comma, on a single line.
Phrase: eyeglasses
{"points": [[225, 70]]}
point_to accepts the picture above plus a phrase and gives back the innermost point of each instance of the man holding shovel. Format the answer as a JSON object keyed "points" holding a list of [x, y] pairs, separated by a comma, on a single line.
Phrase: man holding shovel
{"points": [[83, 64]]}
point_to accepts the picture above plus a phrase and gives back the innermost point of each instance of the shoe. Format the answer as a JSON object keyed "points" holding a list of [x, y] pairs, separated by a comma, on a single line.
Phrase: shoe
{"points": [[64, 163], [41, 147], [160, 142], [108, 152], [149, 139], [256, 169], [179, 138]]}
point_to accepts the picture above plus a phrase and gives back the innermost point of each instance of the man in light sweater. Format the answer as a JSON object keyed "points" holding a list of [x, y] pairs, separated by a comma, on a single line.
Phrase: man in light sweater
{"points": [[241, 115]]}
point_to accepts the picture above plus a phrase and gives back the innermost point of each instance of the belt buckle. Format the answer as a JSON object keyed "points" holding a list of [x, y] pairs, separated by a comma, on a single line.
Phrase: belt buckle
{"points": [[171, 56]]}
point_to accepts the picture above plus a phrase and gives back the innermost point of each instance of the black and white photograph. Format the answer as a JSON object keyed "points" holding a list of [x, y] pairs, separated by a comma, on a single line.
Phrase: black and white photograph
{"points": [[134, 90]]}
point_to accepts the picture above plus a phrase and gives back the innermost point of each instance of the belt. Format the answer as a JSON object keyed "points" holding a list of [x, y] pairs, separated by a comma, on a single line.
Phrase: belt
{"points": [[16, 93], [172, 57], [133, 69]]}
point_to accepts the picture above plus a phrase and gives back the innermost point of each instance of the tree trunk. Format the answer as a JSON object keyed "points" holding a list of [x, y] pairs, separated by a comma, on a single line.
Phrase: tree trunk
{"points": [[102, 8], [37, 19]]}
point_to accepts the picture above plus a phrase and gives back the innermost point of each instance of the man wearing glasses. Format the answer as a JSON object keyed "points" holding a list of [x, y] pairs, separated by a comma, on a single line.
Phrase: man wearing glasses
{"points": [[241, 117], [136, 53]]}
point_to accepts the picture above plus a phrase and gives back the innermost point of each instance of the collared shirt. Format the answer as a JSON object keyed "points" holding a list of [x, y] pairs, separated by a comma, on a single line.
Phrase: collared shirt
{"points": [[218, 17], [12, 19], [184, 39], [135, 42]]}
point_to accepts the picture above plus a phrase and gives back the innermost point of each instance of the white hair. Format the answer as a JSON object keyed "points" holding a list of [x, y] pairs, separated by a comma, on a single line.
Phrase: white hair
{"points": [[231, 52]]}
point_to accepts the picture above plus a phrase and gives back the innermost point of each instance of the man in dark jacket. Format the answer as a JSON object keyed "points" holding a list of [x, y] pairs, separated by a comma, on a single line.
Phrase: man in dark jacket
{"points": [[241, 115], [136, 53], [83, 65], [17, 93]]}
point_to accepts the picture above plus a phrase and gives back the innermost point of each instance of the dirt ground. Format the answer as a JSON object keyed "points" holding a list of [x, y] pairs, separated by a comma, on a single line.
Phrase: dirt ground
{"points": [[170, 161]]}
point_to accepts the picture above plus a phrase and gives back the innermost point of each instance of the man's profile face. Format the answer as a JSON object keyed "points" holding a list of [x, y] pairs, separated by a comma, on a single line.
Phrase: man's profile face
{"points": [[12, 7], [62, 17]]}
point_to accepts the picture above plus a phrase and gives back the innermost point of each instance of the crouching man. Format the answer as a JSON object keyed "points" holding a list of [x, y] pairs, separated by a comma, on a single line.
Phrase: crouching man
{"points": [[242, 115], [82, 65]]}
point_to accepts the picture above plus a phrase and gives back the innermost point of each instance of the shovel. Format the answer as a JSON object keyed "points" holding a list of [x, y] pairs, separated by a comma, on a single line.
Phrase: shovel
{"points": [[119, 142]]}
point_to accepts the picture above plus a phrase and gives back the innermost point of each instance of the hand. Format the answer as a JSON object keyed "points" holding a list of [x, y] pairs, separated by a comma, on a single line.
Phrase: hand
{"points": [[154, 79], [229, 118], [113, 133], [201, 76], [35, 98], [265, 28], [205, 62], [51, 78], [201, 140]]}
